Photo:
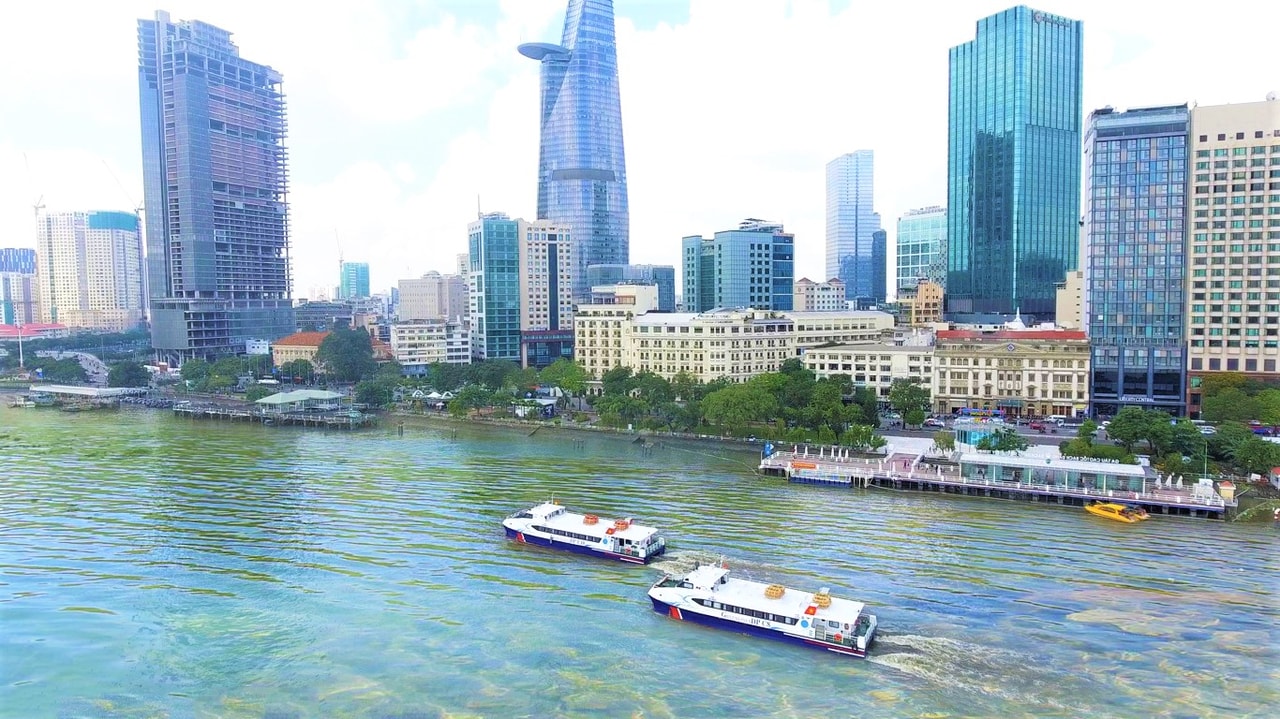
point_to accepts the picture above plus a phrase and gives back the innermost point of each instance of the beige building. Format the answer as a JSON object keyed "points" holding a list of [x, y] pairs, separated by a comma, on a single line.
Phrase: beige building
{"points": [[1022, 372], [810, 296], [598, 327], [1070, 301], [738, 344], [90, 270], [921, 305], [433, 296], [813, 329], [297, 346], [417, 345], [875, 365], [1233, 258]]}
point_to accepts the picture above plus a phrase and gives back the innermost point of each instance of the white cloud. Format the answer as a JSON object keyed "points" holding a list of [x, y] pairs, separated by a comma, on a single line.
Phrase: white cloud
{"points": [[730, 114]]}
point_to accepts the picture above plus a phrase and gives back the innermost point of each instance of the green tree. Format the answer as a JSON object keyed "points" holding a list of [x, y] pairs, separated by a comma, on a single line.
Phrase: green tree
{"points": [[906, 395], [473, 396], [1256, 456], [194, 371], [1128, 426], [914, 417], [521, 380], [825, 408], [1087, 431], [944, 441], [257, 392], [566, 374], [347, 355], [1230, 404], [617, 380], [1214, 383], [128, 374], [1269, 406], [444, 377], [653, 388], [298, 370], [865, 398], [734, 407], [375, 392], [686, 386], [61, 371]]}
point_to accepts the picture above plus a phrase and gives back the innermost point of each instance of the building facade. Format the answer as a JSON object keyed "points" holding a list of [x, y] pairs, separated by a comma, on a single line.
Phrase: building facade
{"points": [[19, 287], [598, 326], [582, 175], [297, 346], [433, 296], [814, 329], [874, 365], [1233, 302], [354, 281], [851, 222], [1070, 298], [494, 279], [662, 276], [922, 304], [810, 296], [1013, 163], [922, 247], [322, 316], [418, 345], [546, 292], [752, 266], [1135, 219], [90, 270], [215, 181], [1023, 373]]}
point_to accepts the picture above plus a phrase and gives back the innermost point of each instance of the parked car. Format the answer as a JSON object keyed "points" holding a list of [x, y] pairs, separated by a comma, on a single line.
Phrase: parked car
{"points": [[934, 422], [1207, 430]]}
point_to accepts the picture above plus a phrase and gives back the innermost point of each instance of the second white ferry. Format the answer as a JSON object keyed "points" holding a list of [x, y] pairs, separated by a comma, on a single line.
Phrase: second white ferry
{"points": [[813, 619], [551, 525]]}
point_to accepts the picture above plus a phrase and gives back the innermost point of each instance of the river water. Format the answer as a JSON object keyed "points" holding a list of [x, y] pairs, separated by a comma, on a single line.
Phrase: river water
{"points": [[157, 567]]}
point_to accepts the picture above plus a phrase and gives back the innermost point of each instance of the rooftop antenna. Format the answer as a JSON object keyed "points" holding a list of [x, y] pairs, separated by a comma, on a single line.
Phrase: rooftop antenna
{"points": [[39, 203], [479, 214]]}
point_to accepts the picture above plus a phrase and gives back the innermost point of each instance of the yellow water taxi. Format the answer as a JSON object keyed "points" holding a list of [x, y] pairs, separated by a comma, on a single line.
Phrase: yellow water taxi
{"points": [[1117, 512]]}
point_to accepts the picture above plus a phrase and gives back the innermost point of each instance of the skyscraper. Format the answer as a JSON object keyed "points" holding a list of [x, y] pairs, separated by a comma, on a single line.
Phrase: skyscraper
{"points": [[494, 252], [19, 290], [851, 222], [582, 177], [215, 182], [354, 281], [752, 266], [1013, 163], [1135, 218], [90, 269], [546, 295], [922, 247]]}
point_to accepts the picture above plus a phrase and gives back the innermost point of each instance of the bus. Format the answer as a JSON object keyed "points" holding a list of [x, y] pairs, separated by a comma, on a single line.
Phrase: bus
{"points": [[980, 413]]}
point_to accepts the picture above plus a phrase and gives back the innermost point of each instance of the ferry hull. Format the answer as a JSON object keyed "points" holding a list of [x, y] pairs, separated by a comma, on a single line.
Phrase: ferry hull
{"points": [[662, 607], [530, 538]]}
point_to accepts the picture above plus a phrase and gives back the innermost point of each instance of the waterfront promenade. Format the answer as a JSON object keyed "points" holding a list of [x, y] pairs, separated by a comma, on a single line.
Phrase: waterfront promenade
{"points": [[903, 469]]}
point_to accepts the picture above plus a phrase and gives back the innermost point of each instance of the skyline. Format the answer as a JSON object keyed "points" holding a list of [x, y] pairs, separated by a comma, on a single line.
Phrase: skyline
{"points": [[379, 165]]}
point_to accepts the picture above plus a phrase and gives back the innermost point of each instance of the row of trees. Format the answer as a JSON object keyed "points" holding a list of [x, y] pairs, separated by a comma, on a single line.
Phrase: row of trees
{"points": [[1234, 397]]}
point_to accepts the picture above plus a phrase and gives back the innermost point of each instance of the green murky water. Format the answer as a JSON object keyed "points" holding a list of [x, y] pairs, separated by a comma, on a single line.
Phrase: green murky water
{"points": [[154, 567]]}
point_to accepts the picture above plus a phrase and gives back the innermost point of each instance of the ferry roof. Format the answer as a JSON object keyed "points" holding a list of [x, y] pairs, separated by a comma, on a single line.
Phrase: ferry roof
{"points": [[749, 594], [1073, 465], [573, 521]]}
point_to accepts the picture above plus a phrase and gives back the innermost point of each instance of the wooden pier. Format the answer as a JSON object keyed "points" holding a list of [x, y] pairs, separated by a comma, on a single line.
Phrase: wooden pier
{"points": [[909, 472], [345, 419]]}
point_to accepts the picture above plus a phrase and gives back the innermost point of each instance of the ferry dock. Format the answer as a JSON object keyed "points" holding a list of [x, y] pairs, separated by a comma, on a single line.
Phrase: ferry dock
{"points": [[326, 418], [1047, 480]]}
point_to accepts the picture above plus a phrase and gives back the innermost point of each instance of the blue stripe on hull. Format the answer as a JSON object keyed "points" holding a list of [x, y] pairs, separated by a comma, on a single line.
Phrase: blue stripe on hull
{"points": [[528, 538], [710, 621]]}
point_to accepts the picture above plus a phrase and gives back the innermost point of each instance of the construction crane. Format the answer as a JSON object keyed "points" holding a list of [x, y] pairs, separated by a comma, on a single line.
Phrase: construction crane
{"points": [[39, 203]]}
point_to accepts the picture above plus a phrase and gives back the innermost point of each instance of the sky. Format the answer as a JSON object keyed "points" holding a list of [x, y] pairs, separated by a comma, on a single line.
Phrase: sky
{"points": [[405, 116]]}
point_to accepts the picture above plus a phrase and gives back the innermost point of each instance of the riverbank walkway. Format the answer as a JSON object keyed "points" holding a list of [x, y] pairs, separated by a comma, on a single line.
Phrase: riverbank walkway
{"points": [[1074, 482]]}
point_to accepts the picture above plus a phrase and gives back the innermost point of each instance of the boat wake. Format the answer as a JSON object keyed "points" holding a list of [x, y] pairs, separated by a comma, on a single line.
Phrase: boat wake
{"points": [[972, 667], [685, 560]]}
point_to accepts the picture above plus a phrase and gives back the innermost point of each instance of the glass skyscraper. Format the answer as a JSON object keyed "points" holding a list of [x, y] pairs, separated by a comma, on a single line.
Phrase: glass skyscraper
{"points": [[1013, 164], [494, 251], [851, 224], [215, 179], [582, 176], [354, 281], [922, 247], [1135, 216], [752, 266]]}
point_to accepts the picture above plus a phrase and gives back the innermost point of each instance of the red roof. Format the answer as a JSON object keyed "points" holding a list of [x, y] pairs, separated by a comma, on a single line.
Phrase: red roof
{"points": [[301, 339], [30, 330], [1006, 335]]}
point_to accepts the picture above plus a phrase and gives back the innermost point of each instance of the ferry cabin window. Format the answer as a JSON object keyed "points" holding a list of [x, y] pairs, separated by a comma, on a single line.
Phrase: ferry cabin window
{"points": [[524, 515], [833, 624], [562, 533], [747, 612]]}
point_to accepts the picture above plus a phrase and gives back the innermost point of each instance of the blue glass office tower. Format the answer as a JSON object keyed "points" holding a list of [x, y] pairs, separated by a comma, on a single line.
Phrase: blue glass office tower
{"points": [[582, 176], [354, 281], [922, 247], [494, 255], [215, 179], [851, 226], [664, 276], [752, 266], [1136, 166], [1013, 164]]}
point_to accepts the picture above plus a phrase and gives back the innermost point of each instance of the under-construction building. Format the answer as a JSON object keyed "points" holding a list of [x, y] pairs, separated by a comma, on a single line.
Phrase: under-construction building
{"points": [[215, 177]]}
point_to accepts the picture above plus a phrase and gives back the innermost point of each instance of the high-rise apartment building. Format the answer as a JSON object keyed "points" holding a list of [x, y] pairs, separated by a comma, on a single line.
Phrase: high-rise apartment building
{"points": [[582, 177], [433, 296], [1013, 164], [546, 292], [851, 223], [1135, 220], [90, 270], [354, 281], [663, 276], [922, 247], [19, 289], [494, 281], [215, 180], [752, 266], [1233, 302]]}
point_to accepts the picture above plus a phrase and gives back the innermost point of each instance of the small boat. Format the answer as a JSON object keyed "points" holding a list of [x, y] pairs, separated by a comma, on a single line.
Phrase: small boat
{"points": [[22, 402], [817, 620], [551, 525], [1117, 512]]}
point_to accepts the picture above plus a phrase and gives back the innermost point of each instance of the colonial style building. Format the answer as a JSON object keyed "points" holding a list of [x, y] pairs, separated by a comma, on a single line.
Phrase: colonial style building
{"points": [[1022, 372], [813, 329], [598, 327], [875, 365], [299, 345]]}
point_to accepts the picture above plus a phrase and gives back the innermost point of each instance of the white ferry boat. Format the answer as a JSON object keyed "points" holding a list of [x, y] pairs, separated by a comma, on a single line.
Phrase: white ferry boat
{"points": [[707, 596], [551, 525]]}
